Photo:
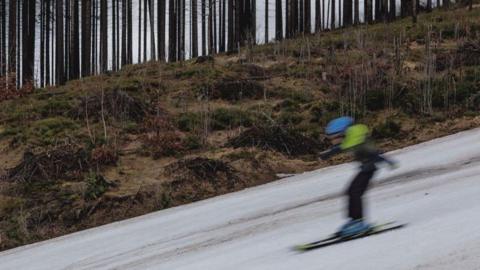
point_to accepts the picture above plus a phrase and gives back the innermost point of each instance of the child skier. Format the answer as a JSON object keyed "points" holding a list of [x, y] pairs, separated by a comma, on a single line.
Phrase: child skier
{"points": [[346, 136]]}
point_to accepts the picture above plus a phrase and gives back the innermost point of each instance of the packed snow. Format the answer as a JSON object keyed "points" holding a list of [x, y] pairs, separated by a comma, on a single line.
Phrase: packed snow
{"points": [[436, 191]]}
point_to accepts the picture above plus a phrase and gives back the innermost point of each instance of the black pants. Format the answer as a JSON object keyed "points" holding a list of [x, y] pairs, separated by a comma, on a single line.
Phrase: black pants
{"points": [[355, 192]]}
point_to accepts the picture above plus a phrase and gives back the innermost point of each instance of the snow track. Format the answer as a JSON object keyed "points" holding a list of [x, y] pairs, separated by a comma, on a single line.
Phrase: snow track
{"points": [[436, 191]]}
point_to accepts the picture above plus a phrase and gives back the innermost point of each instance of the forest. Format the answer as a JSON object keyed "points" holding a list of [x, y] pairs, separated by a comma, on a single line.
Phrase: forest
{"points": [[53, 41]]}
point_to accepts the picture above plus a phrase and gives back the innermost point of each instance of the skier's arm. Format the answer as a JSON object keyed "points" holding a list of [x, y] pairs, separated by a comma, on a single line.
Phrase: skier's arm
{"points": [[331, 152], [381, 158]]}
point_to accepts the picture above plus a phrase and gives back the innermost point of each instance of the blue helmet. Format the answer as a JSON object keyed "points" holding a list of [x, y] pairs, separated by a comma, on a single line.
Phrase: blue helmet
{"points": [[339, 125]]}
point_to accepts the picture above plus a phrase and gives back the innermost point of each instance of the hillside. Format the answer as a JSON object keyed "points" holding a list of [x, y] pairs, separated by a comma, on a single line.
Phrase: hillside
{"points": [[153, 136]]}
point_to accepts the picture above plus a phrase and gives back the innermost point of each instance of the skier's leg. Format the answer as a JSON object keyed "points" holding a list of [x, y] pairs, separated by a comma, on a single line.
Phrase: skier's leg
{"points": [[355, 192]]}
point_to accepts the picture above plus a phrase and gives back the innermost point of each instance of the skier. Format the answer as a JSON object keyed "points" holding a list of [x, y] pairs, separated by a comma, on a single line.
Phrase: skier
{"points": [[346, 136]]}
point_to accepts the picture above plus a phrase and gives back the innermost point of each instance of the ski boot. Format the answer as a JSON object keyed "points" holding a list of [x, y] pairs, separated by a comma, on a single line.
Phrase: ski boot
{"points": [[354, 227]]}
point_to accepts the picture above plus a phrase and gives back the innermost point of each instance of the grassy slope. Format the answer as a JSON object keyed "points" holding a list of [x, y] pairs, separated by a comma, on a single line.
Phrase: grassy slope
{"points": [[162, 137]]}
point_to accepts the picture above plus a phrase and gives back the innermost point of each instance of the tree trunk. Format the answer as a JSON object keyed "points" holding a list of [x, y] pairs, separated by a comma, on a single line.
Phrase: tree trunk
{"points": [[194, 29], [103, 36], [140, 31], [67, 40], [210, 27], [368, 16], [266, 21], [414, 10], [19, 44], [172, 36], [3, 38], [161, 29], [47, 41], [12, 37], [59, 52], [86, 38], [204, 28], [223, 25], [322, 17], [182, 37], [215, 45], [42, 45], [308, 17], [301, 14], [278, 20], [231, 26], [152, 31], [28, 40], [347, 13], [356, 12], [114, 35], [393, 10], [178, 19], [334, 11], [117, 56], [377, 10], [446, 4], [129, 32], [95, 38], [74, 42], [145, 20]]}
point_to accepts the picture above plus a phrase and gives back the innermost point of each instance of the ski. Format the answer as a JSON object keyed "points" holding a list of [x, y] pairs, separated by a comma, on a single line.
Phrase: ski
{"points": [[334, 239]]}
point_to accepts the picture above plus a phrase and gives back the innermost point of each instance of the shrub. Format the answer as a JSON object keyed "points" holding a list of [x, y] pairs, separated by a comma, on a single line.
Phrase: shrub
{"points": [[234, 90], [163, 144], [277, 138], [388, 129], [104, 155], [188, 121], [375, 100], [192, 142], [97, 185], [223, 118], [290, 118], [48, 130]]}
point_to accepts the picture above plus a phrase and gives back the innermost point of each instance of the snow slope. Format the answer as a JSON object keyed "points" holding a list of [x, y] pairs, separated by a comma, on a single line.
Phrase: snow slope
{"points": [[436, 190]]}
